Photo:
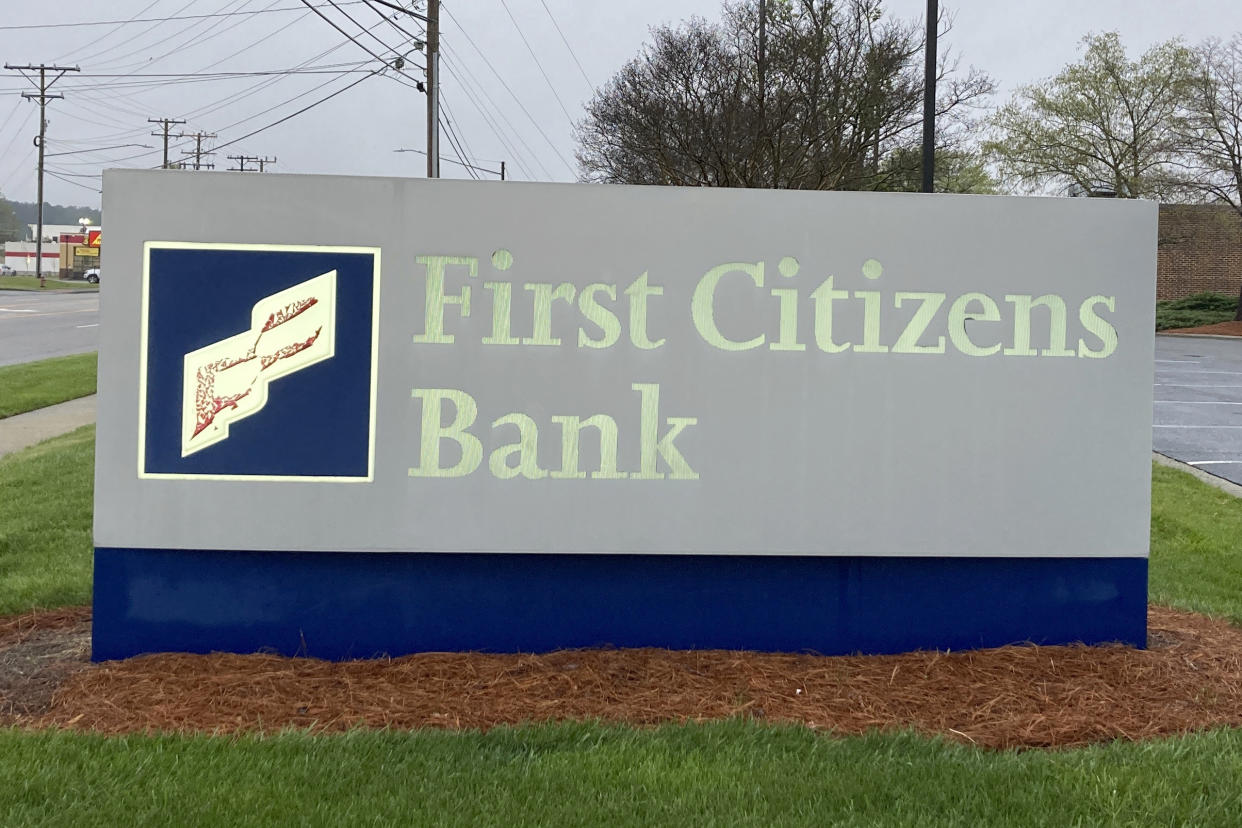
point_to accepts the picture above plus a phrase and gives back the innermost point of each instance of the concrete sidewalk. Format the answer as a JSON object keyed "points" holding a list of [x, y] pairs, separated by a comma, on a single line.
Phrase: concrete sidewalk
{"points": [[24, 430]]}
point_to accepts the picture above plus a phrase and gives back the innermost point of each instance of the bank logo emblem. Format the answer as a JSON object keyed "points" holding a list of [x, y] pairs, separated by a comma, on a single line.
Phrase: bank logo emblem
{"points": [[228, 380], [259, 362]]}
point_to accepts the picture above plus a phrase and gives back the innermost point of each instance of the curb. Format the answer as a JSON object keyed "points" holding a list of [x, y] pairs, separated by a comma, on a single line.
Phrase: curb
{"points": [[46, 291], [1226, 486], [1196, 336]]}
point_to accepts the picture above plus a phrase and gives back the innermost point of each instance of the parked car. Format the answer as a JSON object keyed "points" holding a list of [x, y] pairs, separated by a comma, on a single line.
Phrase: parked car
{"points": [[92, 275], [6, 270]]}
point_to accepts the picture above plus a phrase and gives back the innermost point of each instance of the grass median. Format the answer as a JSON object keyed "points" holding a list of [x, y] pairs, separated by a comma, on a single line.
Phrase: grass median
{"points": [[32, 283], [32, 385], [730, 772]]}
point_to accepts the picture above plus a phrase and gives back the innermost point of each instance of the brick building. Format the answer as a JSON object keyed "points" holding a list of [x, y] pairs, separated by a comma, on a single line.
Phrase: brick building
{"points": [[1199, 248]]}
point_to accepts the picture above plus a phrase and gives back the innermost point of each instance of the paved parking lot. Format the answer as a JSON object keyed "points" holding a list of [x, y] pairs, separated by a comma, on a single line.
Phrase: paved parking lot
{"points": [[1198, 403]]}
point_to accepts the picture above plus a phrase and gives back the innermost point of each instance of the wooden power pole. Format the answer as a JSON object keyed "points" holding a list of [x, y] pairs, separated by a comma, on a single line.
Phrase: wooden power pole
{"points": [[433, 88], [198, 152], [42, 96], [168, 123]]}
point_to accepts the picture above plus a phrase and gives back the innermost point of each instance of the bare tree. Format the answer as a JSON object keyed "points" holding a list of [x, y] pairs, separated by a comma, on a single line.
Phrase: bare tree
{"points": [[841, 98], [1210, 126]]}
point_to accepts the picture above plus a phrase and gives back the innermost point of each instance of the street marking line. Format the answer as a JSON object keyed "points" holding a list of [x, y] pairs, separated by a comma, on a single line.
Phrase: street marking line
{"points": [[1190, 371], [1183, 385], [1156, 425], [18, 310], [1213, 462], [96, 325], [1176, 402], [1191, 361], [71, 312]]}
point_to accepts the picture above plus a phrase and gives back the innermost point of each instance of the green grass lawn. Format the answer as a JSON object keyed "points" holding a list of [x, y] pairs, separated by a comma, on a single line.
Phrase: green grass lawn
{"points": [[724, 773], [727, 773], [31, 283], [1196, 546], [46, 495], [32, 385]]}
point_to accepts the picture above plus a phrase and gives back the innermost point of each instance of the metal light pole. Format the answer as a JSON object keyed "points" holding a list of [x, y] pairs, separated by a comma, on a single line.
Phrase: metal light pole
{"points": [[929, 98]]}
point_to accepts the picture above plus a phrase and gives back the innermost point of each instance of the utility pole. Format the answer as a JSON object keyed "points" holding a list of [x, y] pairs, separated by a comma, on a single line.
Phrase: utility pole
{"points": [[168, 124], [433, 88], [929, 98], [243, 160], [42, 97], [198, 151], [502, 170]]}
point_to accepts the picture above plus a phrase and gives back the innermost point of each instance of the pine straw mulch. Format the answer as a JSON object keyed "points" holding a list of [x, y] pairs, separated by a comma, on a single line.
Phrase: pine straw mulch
{"points": [[1019, 696], [1230, 328]]}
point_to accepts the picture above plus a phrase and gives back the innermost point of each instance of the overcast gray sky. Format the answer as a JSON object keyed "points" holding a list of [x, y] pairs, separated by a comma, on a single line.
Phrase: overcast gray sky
{"points": [[496, 97]]}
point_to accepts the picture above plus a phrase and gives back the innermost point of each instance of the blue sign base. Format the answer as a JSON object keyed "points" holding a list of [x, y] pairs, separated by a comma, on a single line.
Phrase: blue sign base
{"points": [[354, 605]]}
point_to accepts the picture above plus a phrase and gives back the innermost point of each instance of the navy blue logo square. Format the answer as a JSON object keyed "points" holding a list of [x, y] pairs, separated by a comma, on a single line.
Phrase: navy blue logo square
{"points": [[258, 362]]}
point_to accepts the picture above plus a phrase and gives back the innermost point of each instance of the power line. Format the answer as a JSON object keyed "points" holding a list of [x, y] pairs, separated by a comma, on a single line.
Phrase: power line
{"points": [[455, 145], [75, 175], [17, 133], [351, 38], [101, 149], [565, 40], [390, 21], [266, 83], [67, 181], [295, 114], [175, 79], [132, 38], [264, 39], [450, 119], [538, 63], [288, 101], [120, 25], [402, 9], [512, 94], [500, 172], [194, 39], [488, 113], [17, 168], [165, 19], [364, 29]]}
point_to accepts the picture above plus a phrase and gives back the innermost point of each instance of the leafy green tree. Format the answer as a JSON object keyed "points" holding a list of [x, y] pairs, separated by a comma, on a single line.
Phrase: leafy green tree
{"points": [[834, 105], [11, 228], [27, 213], [957, 171], [1104, 123]]}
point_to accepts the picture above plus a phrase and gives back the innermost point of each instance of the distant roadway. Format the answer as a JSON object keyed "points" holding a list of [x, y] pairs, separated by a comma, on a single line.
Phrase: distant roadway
{"points": [[37, 325]]}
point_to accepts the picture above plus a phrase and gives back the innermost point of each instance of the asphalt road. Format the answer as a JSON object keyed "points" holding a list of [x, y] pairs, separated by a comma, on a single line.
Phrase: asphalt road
{"points": [[37, 325], [1198, 403]]}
